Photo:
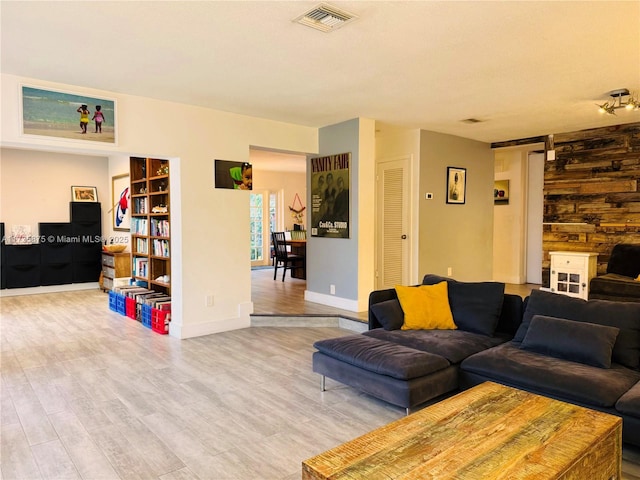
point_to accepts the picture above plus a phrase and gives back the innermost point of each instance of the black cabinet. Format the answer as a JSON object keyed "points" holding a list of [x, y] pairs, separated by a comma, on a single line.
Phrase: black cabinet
{"points": [[22, 265], [68, 252], [85, 211], [86, 249], [3, 275], [55, 253]]}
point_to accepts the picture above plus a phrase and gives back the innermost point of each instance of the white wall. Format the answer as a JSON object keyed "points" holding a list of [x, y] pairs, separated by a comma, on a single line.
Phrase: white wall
{"points": [[35, 186], [210, 231], [290, 183]]}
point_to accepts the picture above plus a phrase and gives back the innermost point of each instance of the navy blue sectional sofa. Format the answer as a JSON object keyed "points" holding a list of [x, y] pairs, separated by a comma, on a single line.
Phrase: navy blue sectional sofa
{"points": [[582, 352]]}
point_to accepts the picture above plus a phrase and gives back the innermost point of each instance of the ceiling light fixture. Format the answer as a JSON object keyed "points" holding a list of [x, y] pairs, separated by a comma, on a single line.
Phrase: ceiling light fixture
{"points": [[610, 107]]}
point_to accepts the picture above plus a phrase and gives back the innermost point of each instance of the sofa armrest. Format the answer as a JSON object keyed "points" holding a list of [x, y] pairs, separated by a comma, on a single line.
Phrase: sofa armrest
{"points": [[378, 296]]}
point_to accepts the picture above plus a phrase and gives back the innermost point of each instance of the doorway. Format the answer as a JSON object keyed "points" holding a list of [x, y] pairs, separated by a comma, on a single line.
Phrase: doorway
{"points": [[534, 212]]}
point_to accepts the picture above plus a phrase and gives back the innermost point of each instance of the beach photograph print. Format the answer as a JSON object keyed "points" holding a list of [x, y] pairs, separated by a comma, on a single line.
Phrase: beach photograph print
{"points": [[65, 115]]}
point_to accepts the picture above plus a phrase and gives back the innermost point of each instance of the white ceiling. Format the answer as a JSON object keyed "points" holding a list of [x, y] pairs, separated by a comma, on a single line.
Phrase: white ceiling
{"points": [[525, 68]]}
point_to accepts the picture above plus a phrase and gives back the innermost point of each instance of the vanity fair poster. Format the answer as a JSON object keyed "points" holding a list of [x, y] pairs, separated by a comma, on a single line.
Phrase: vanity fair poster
{"points": [[330, 202]]}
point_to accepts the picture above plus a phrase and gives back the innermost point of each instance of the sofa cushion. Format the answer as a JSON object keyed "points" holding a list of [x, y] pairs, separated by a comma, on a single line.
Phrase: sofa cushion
{"points": [[580, 342], [552, 376], [629, 403], [389, 313], [625, 260], [425, 307], [622, 315], [454, 345], [381, 357], [475, 306]]}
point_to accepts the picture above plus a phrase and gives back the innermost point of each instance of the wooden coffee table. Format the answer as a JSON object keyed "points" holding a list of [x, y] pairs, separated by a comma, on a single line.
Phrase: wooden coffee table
{"points": [[488, 432]]}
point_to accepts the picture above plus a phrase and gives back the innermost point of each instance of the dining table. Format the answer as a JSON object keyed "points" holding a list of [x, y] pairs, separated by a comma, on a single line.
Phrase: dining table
{"points": [[299, 247]]}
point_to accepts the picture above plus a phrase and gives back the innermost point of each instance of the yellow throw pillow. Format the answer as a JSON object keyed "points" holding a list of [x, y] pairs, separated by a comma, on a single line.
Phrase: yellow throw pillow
{"points": [[426, 307]]}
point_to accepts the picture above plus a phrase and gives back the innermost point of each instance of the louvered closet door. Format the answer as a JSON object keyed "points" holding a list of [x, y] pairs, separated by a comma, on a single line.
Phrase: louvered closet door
{"points": [[393, 210]]}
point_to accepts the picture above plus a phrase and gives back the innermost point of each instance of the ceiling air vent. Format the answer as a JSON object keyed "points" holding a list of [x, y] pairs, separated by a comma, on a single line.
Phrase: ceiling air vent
{"points": [[325, 18]]}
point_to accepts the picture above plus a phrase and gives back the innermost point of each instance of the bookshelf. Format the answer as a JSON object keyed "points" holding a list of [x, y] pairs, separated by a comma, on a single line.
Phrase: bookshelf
{"points": [[150, 223]]}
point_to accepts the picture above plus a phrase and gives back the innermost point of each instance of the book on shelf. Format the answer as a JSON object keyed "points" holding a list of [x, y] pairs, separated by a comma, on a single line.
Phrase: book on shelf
{"points": [[142, 245], [139, 226], [159, 228], [160, 248], [140, 205], [140, 267]]}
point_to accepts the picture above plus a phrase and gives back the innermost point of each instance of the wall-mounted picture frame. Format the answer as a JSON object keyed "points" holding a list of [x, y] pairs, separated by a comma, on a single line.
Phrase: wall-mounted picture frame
{"points": [[67, 116], [84, 194], [501, 192], [456, 185], [330, 198], [233, 175], [120, 200]]}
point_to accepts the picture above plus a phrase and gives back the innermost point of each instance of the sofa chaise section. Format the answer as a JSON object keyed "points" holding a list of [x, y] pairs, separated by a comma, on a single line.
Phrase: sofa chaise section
{"points": [[394, 373], [376, 362]]}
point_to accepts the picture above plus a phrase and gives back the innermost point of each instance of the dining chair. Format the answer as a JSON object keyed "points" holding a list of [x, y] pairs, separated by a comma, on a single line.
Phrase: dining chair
{"points": [[283, 257]]}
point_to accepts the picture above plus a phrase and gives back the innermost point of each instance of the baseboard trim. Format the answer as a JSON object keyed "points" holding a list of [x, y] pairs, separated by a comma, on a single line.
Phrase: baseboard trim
{"points": [[308, 321], [331, 301], [70, 287], [207, 328]]}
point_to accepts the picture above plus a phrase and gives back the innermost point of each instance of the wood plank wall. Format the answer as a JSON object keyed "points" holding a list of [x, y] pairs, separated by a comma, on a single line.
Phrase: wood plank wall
{"points": [[591, 196]]}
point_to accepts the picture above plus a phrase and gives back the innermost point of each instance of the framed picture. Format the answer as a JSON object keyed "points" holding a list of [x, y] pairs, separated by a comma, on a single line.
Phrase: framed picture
{"points": [[68, 116], [120, 200], [501, 192], [330, 199], [233, 175], [84, 194], [456, 184]]}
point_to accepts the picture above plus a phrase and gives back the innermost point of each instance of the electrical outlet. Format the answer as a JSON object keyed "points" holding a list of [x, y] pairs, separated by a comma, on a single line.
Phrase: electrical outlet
{"points": [[449, 271], [208, 301], [428, 196], [332, 289]]}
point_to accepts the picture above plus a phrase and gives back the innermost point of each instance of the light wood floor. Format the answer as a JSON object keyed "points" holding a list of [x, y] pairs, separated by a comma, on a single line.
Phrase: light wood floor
{"points": [[275, 297], [89, 394]]}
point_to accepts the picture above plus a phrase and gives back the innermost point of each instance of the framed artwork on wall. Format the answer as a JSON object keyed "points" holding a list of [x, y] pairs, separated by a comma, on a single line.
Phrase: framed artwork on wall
{"points": [[456, 185], [330, 199], [84, 194], [233, 175], [68, 116], [501, 192], [120, 199]]}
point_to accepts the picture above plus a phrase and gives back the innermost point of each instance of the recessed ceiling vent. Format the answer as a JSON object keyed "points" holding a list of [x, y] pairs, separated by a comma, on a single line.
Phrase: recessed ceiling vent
{"points": [[325, 18]]}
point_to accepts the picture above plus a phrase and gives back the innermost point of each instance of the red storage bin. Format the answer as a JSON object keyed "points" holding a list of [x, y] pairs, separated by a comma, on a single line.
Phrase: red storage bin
{"points": [[160, 320], [130, 308]]}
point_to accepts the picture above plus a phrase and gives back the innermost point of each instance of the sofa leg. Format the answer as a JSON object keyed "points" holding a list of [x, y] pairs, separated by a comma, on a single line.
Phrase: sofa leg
{"points": [[322, 383], [407, 411]]}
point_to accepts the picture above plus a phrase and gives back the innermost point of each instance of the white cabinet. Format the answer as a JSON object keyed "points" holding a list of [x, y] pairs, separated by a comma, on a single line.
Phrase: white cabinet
{"points": [[571, 272]]}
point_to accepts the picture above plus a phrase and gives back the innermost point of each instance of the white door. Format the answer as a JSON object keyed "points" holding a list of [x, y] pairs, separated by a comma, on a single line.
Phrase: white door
{"points": [[393, 243], [535, 208]]}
